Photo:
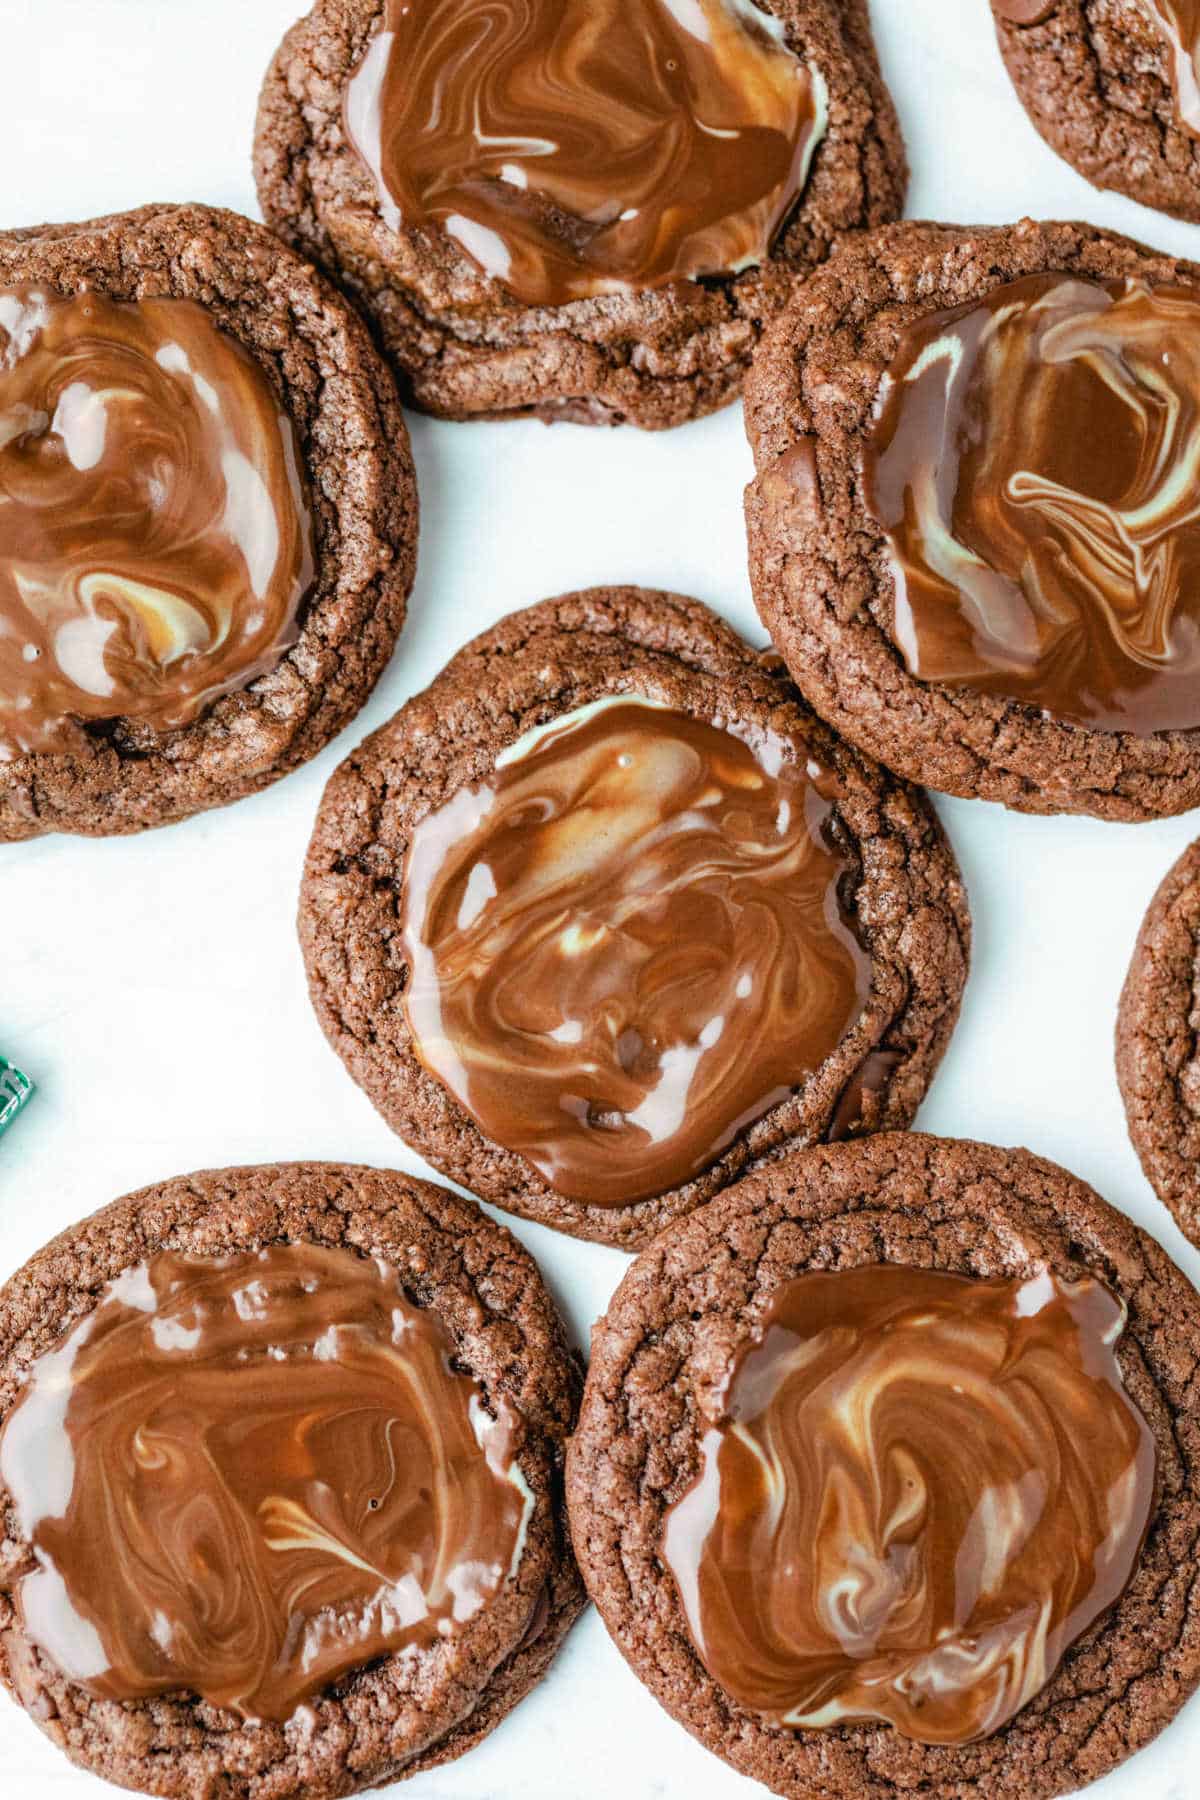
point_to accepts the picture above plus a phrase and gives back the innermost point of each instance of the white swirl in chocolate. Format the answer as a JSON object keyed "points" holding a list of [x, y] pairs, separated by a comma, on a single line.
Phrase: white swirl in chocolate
{"points": [[1035, 466], [155, 540], [630, 943], [919, 1490], [245, 1476], [580, 147]]}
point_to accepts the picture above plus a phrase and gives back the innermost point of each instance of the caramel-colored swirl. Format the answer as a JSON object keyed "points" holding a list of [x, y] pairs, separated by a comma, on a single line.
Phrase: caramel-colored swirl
{"points": [[920, 1491], [246, 1476], [577, 147], [629, 944], [1035, 466], [155, 541]]}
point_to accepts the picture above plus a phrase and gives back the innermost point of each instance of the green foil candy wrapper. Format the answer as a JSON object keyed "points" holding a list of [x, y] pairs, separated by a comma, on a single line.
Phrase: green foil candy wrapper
{"points": [[15, 1090]]}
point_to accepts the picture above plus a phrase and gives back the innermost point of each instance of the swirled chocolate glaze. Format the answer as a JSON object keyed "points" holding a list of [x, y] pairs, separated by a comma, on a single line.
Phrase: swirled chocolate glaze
{"points": [[1035, 466], [246, 1476], [920, 1491], [629, 944], [578, 147], [155, 540]]}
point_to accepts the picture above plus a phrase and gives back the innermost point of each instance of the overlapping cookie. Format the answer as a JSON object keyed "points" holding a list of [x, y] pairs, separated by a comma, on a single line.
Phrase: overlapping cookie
{"points": [[1156, 1043], [887, 1475], [974, 533], [583, 209], [208, 518], [280, 1483], [605, 917]]}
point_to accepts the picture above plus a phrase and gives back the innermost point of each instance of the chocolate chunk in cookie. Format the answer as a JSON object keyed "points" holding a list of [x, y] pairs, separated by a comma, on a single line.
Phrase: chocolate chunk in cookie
{"points": [[1114, 87], [585, 210], [887, 1475], [606, 917], [280, 1482], [972, 531], [209, 524]]}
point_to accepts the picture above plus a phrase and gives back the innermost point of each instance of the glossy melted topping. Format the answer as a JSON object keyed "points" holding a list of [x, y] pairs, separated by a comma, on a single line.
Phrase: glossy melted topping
{"points": [[246, 1476], [1035, 466], [920, 1490], [579, 147], [155, 540], [629, 944]]}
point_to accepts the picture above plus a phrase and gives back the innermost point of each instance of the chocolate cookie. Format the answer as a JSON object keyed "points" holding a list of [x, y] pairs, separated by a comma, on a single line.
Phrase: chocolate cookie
{"points": [[582, 212], [298, 1526], [1113, 87], [971, 530], [900, 1430], [1156, 1043], [606, 917], [210, 524]]}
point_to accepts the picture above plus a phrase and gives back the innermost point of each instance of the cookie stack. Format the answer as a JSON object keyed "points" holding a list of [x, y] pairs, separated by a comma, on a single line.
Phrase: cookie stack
{"points": [[885, 1473]]}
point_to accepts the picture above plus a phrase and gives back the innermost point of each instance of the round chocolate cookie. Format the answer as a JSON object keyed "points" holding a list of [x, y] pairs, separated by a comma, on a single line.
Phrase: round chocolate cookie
{"points": [[605, 917], [1113, 87], [583, 210], [971, 530], [887, 1475], [1156, 1043], [297, 1528], [210, 525]]}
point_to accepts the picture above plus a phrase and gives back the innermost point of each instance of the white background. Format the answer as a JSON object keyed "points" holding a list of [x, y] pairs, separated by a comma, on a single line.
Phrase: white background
{"points": [[153, 986]]}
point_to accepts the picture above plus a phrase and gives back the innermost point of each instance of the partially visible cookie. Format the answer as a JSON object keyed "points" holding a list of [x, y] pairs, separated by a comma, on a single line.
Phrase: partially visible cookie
{"points": [[311, 1538], [582, 212], [851, 1437], [210, 525], [605, 917], [1112, 86], [967, 468], [1156, 1043]]}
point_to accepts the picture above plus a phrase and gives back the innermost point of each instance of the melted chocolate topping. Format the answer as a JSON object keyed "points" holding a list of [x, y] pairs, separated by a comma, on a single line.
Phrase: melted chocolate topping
{"points": [[919, 1492], [629, 944], [155, 540], [247, 1476], [1035, 467], [579, 147]]}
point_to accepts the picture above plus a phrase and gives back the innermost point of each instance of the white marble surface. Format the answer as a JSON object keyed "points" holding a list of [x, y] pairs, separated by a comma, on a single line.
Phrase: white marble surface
{"points": [[153, 987]]}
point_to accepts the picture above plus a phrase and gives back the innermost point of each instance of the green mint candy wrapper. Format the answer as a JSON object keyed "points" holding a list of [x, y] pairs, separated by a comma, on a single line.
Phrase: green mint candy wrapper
{"points": [[15, 1090]]}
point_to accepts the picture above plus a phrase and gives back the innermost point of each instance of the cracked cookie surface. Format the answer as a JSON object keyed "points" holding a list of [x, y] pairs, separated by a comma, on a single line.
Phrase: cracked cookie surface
{"points": [[400, 1715], [1095, 77], [342, 402], [539, 665], [698, 1290], [1157, 1064], [462, 346], [819, 562]]}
